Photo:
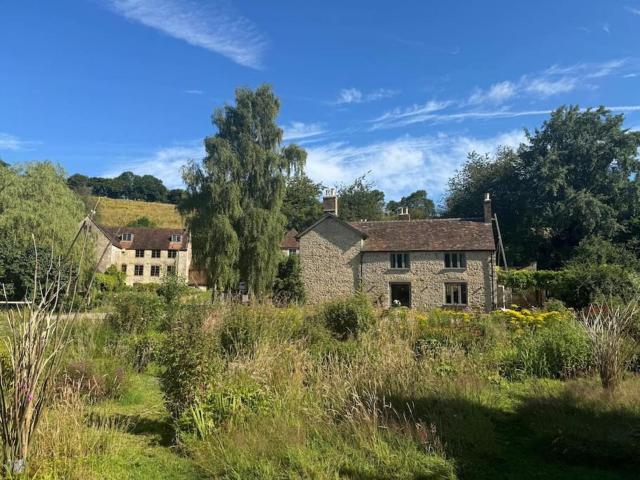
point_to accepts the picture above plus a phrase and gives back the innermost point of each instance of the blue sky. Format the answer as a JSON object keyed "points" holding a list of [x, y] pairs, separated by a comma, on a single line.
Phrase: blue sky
{"points": [[402, 90]]}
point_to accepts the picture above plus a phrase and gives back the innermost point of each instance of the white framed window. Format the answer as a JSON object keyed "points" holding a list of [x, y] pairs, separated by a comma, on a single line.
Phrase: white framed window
{"points": [[155, 270], [399, 260], [126, 237], [138, 270], [455, 293], [171, 269], [139, 253], [455, 260], [176, 238], [172, 253], [155, 253]]}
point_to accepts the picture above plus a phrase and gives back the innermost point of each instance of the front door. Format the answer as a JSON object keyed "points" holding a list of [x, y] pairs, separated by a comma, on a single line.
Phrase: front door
{"points": [[400, 294]]}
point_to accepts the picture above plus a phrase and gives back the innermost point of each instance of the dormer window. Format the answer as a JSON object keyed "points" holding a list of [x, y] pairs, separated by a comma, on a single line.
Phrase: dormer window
{"points": [[176, 238], [126, 237]]}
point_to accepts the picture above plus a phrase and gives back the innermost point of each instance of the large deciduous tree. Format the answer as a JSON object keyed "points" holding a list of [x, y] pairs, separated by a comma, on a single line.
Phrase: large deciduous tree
{"points": [[301, 204], [419, 204], [360, 201], [234, 197]]}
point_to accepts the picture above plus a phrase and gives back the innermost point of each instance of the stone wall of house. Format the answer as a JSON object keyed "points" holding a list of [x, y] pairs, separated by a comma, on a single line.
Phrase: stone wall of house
{"points": [[330, 261], [128, 258], [428, 276]]}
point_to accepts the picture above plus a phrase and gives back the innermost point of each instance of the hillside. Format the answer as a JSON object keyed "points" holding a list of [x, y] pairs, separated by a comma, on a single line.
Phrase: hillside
{"points": [[113, 211]]}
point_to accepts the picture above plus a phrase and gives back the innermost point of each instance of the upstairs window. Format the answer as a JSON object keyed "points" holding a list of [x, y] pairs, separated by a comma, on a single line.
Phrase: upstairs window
{"points": [[155, 253], [126, 237], [293, 251], [138, 270], [176, 238], [155, 270], [399, 260], [455, 294], [139, 253], [455, 260], [172, 253]]}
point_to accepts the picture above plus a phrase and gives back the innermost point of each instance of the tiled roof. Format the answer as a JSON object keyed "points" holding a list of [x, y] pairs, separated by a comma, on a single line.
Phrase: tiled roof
{"points": [[290, 241], [146, 238], [438, 234]]}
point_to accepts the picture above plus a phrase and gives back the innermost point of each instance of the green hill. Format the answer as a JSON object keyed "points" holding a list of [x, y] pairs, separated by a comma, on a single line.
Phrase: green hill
{"points": [[113, 211]]}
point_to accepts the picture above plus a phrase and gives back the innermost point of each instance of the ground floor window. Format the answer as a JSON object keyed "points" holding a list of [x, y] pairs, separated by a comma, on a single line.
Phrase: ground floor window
{"points": [[455, 293], [138, 270], [171, 270], [155, 270], [400, 294], [123, 268]]}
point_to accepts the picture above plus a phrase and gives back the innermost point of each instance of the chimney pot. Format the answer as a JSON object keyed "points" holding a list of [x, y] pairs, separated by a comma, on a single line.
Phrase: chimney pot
{"points": [[330, 201], [403, 213], [488, 215]]}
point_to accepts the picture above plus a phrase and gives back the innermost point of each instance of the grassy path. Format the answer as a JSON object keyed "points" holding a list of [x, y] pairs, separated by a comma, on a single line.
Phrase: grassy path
{"points": [[144, 434]]}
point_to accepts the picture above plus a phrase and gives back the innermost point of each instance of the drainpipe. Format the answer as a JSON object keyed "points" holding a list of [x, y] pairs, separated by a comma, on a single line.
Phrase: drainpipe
{"points": [[493, 298]]}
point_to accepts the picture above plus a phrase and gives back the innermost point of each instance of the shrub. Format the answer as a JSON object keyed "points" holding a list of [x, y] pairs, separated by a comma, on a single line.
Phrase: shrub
{"points": [[188, 360], [94, 380], [112, 280], [349, 317], [560, 350], [288, 286], [136, 312], [144, 349]]}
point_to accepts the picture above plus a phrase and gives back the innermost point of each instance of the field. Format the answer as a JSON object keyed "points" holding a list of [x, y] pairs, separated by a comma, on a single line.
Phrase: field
{"points": [[166, 388], [113, 211]]}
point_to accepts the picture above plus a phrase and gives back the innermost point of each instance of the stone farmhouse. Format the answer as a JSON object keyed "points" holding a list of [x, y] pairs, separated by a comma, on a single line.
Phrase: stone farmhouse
{"points": [[415, 263], [144, 255]]}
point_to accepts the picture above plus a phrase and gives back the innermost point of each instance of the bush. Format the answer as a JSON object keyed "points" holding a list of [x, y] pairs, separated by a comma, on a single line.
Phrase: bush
{"points": [[94, 380], [137, 312], [288, 287], [112, 280], [188, 360], [349, 317], [144, 349], [559, 350]]}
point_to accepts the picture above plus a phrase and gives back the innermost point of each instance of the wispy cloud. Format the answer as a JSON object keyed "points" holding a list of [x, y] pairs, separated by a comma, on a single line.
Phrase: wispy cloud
{"points": [[165, 163], [606, 28], [635, 11], [543, 87], [301, 130], [403, 164], [194, 92], [12, 143], [354, 95], [214, 26], [497, 93]]}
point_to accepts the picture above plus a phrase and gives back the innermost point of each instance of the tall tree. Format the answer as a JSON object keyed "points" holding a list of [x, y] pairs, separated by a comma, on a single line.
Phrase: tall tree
{"points": [[419, 204], [360, 201], [301, 204], [234, 198]]}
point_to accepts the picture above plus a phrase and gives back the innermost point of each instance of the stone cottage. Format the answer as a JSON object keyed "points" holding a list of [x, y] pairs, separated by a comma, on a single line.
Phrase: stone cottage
{"points": [[416, 263], [144, 255]]}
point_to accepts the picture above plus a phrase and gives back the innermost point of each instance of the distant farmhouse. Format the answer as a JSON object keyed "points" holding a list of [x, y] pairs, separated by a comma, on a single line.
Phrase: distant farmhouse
{"points": [[415, 263]]}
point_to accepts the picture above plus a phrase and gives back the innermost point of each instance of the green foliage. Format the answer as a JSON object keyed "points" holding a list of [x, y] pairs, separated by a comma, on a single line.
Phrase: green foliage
{"points": [[419, 204], [360, 201], [349, 317], [145, 348], [188, 362], [96, 380], [557, 350], [301, 205], [234, 198], [288, 286], [143, 222], [575, 178], [137, 312], [111, 280]]}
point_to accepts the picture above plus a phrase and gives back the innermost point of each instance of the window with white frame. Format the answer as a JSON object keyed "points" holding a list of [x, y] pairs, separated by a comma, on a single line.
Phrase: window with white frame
{"points": [[455, 293], [176, 237], [155, 270], [155, 253], [399, 260], [139, 253], [126, 237], [171, 269], [172, 253], [455, 260], [138, 270]]}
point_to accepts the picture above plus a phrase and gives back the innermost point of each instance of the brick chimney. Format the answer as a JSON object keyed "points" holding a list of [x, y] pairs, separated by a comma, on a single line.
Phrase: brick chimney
{"points": [[487, 208], [330, 201], [403, 213]]}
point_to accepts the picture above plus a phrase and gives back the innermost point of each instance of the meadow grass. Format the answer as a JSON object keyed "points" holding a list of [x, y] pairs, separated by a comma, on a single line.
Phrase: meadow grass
{"points": [[114, 211]]}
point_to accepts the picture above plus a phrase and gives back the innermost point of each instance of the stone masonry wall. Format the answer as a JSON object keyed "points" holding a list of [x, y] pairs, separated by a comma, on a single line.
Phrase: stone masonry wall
{"points": [[330, 261]]}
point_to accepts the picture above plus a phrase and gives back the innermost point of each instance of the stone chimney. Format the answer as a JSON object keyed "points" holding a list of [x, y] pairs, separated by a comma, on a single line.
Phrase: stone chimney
{"points": [[403, 213], [488, 215], [330, 201]]}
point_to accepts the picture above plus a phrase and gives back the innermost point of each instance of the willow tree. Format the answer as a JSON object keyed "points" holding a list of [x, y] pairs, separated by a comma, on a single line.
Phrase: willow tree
{"points": [[234, 196]]}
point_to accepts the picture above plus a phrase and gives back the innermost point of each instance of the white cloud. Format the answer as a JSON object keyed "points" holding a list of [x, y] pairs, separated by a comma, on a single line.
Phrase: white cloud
{"points": [[402, 165], [635, 11], [194, 92], [354, 95], [11, 142], [630, 75], [165, 163], [547, 88], [213, 26], [606, 28], [497, 93], [300, 130]]}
